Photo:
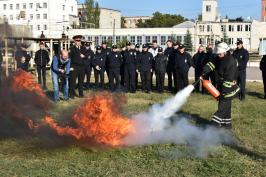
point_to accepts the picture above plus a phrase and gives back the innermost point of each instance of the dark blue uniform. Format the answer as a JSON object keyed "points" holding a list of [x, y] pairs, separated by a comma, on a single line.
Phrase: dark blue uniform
{"points": [[130, 66], [145, 68], [242, 57], [1, 61], [182, 64], [170, 67], [263, 70], [114, 61], [99, 60], [160, 69], [88, 65]]}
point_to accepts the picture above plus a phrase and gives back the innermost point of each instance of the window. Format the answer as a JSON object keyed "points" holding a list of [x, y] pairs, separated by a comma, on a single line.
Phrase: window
{"points": [[132, 39], [231, 40], [31, 6], [11, 17], [24, 6], [4, 6], [208, 8], [148, 39], [96, 40], [209, 28], [31, 16], [44, 16], [139, 40], [17, 16], [223, 28], [45, 5], [64, 7], [11, 6], [231, 28], [170, 38], [239, 28], [45, 27], [110, 38], [38, 5], [72, 9], [104, 38], [154, 38], [38, 16], [179, 39], [89, 38], [117, 39], [163, 40], [38, 27], [201, 28], [17, 6], [247, 27]]}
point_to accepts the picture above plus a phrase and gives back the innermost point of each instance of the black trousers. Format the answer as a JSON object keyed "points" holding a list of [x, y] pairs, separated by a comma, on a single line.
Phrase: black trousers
{"points": [[197, 77], [145, 80], [0, 75], [160, 77], [78, 73], [114, 78], [264, 81], [222, 116], [122, 72], [182, 79], [41, 70], [242, 83], [88, 69], [137, 80], [99, 75], [130, 79]]}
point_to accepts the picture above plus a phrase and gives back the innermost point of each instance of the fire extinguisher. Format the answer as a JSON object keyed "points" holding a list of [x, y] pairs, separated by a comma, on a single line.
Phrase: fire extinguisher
{"points": [[211, 89]]}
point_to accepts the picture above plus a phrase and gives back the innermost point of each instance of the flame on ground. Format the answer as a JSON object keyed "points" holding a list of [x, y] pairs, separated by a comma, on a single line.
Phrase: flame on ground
{"points": [[98, 119]]}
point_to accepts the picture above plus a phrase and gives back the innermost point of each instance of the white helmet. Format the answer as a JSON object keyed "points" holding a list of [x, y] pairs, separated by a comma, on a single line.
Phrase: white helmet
{"points": [[221, 48]]}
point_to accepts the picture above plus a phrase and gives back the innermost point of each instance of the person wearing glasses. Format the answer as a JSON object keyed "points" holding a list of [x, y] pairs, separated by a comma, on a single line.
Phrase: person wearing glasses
{"points": [[77, 55]]}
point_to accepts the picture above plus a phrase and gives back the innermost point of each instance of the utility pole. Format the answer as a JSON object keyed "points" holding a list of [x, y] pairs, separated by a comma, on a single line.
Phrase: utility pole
{"points": [[114, 41]]}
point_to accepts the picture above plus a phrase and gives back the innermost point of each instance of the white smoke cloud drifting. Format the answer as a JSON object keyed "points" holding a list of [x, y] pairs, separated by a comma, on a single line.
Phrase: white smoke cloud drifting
{"points": [[156, 126]]}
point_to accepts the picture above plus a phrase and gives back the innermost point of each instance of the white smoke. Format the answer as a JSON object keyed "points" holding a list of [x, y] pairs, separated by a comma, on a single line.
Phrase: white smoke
{"points": [[160, 125]]}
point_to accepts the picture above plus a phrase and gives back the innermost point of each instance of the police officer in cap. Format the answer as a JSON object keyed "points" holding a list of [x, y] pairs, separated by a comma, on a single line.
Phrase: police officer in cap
{"points": [[183, 62], [171, 68], [138, 52], [160, 69], [78, 56], [130, 67], [145, 68], [99, 63], [114, 61], [106, 51], [242, 57], [88, 63]]}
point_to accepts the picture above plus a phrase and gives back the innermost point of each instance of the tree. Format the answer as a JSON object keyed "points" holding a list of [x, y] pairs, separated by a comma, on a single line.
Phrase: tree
{"points": [[161, 20], [92, 12], [238, 19], [188, 41], [200, 17]]}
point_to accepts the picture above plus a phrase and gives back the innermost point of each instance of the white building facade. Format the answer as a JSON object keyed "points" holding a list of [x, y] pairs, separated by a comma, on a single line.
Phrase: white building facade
{"points": [[51, 17]]}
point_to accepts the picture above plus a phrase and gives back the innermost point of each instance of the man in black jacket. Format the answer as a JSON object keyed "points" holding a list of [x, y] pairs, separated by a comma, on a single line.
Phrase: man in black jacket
{"points": [[171, 67], [99, 63], [137, 50], [227, 73], [263, 70], [167, 52], [130, 67], [77, 55], [198, 64], [41, 60], [114, 63], [88, 63], [145, 68], [160, 69], [242, 57], [22, 57], [183, 62]]}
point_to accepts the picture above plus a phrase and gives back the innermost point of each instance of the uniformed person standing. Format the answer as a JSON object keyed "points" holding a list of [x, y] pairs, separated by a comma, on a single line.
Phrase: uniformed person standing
{"points": [[167, 52], [137, 50], [130, 67], [106, 51], [183, 62], [77, 55], [154, 51], [88, 63], [1, 61], [263, 70], [242, 57], [227, 73], [145, 68], [198, 64], [22, 57], [173, 70], [160, 69], [114, 61], [99, 63]]}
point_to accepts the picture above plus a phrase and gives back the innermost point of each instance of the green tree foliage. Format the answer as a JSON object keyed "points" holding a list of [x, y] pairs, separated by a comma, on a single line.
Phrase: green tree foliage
{"points": [[161, 20], [188, 41], [92, 12]]}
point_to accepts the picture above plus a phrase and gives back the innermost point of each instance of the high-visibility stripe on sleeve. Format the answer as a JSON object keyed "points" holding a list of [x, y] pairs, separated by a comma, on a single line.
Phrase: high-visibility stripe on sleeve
{"points": [[211, 65]]}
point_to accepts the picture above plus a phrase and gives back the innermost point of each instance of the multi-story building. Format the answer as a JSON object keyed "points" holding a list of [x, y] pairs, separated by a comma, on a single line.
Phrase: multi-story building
{"points": [[109, 18], [51, 17], [131, 22]]}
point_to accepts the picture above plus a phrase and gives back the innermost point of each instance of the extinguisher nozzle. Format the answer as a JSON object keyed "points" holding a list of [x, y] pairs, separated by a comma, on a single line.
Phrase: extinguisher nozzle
{"points": [[196, 83]]}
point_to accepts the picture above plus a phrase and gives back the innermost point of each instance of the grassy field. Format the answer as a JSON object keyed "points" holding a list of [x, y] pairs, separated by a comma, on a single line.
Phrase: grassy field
{"points": [[23, 153]]}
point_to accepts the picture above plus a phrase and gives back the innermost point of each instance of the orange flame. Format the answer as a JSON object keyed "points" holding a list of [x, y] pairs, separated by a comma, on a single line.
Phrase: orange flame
{"points": [[98, 119]]}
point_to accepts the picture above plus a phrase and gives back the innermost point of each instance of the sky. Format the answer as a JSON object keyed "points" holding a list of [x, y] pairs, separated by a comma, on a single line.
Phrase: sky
{"points": [[188, 8]]}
